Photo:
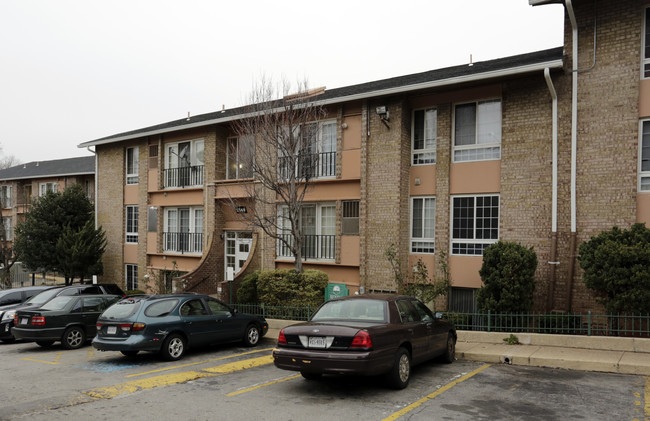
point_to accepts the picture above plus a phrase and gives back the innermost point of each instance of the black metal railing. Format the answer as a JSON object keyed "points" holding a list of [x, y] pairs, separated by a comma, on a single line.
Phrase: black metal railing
{"points": [[183, 242], [307, 166], [184, 176], [313, 246]]}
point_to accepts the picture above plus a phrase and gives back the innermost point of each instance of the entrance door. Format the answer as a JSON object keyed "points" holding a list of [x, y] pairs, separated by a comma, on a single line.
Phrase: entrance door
{"points": [[238, 247]]}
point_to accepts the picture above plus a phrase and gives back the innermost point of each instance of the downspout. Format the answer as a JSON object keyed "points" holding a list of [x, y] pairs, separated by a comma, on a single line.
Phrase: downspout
{"points": [[574, 149], [95, 186], [553, 256]]}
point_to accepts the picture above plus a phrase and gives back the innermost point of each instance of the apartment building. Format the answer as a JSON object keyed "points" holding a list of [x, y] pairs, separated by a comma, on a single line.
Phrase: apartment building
{"points": [[545, 149], [21, 183]]}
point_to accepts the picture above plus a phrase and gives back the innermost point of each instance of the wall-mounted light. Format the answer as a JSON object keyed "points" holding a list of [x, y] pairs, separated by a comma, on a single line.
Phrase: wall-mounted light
{"points": [[344, 125], [384, 115]]}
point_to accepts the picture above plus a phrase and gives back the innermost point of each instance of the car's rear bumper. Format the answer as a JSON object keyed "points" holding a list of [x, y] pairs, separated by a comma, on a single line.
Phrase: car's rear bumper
{"points": [[133, 343], [53, 334], [365, 363]]}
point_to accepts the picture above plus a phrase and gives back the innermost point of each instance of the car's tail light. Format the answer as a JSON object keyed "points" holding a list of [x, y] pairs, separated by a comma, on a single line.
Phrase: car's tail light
{"points": [[38, 321], [361, 340], [138, 326], [99, 326], [282, 340]]}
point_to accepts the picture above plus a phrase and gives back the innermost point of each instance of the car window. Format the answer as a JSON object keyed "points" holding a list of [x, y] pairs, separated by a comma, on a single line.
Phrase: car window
{"points": [[423, 311], [43, 297], [160, 308], [91, 289], [58, 303], [69, 291], [218, 308], [113, 289], [365, 310], [10, 297], [122, 309], [92, 304], [407, 312], [193, 308]]}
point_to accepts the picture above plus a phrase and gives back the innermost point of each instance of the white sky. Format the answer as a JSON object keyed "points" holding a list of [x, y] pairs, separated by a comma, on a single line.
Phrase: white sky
{"points": [[78, 70]]}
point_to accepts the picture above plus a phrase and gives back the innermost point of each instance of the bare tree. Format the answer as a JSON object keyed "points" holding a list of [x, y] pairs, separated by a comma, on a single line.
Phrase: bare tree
{"points": [[277, 147], [8, 161], [7, 255]]}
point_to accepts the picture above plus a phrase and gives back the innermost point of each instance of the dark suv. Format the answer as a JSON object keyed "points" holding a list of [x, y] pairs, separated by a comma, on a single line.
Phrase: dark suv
{"points": [[7, 321]]}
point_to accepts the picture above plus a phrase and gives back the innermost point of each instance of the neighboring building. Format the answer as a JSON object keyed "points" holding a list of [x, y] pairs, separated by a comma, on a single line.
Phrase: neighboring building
{"points": [[21, 183], [451, 159]]}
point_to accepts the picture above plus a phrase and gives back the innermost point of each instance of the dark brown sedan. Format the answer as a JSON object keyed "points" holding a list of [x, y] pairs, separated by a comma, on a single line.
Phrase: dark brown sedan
{"points": [[366, 335]]}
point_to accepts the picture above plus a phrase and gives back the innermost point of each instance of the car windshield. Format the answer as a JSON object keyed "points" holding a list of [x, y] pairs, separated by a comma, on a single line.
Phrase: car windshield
{"points": [[57, 303], [359, 310], [43, 297], [122, 309]]}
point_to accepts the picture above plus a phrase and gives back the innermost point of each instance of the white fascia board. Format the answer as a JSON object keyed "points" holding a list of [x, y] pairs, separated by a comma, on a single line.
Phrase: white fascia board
{"points": [[554, 64], [44, 176]]}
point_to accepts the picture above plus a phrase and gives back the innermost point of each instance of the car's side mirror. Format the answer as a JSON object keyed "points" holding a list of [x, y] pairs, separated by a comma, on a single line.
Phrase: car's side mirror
{"points": [[439, 315]]}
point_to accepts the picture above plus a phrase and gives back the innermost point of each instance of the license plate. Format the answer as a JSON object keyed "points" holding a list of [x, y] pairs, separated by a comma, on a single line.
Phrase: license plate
{"points": [[24, 321], [317, 342], [111, 330]]}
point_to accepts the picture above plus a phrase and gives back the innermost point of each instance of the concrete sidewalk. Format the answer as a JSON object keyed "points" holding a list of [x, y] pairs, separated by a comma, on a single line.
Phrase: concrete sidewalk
{"points": [[587, 353]]}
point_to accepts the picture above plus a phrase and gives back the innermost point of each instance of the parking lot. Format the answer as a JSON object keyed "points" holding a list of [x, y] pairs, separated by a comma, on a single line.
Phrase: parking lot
{"points": [[238, 383]]}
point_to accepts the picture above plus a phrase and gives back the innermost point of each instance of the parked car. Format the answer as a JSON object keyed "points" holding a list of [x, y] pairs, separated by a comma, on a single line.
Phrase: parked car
{"points": [[11, 298], [7, 319], [366, 335], [171, 324], [71, 319]]}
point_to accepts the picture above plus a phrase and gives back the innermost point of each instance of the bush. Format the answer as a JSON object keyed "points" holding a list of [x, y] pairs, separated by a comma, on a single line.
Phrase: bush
{"points": [[616, 266], [134, 292], [508, 275], [247, 291], [286, 287]]}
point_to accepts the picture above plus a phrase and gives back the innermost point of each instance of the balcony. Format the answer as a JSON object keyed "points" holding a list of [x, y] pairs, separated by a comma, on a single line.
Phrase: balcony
{"points": [[316, 165], [183, 176], [320, 247], [183, 242]]}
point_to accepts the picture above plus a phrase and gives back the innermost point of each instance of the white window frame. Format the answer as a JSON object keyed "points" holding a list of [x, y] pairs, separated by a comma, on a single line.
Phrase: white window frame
{"points": [[173, 157], [197, 151], [131, 276], [195, 225], [319, 148], [427, 154], [644, 175], [240, 161], [8, 227], [319, 228], [131, 215], [645, 59], [472, 244], [478, 151], [51, 186], [423, 244], [132, 165], [350, 217], [5, 196]]}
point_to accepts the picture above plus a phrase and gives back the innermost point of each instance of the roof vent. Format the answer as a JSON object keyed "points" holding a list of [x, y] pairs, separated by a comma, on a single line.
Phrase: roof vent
{"points": [[188, 116]]}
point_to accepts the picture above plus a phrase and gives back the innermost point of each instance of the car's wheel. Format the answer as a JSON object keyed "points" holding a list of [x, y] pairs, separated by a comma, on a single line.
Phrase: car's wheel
{"points": [[450, 353], [311, 376], [8, 340], [400, 374], [44, 344], [173, 348], [73, 338], [129, 353], [252, 335]]}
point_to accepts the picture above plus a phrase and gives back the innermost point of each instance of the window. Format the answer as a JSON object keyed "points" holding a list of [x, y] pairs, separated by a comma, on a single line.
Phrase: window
{"points": [[238, 247], [239, 159], [183, 230], [646, 44], [318, 223], [131, 277], [477, 131], [5, 196], [316, 156], [132, 164], [152, 219], [462, 300], [423, 136], [475, 224], [423, 221], [8, 227], [644, 155], [45, 188], [132, 224], [184, 163], [350, 218]]}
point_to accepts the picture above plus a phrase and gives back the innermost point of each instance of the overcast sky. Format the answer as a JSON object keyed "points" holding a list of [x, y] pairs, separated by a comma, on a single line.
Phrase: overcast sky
{"points": [[78, 70]]}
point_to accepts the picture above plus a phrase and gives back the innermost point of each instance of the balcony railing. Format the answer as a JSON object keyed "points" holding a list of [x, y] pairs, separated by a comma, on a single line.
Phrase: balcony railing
{"points": [[184, 176], [314, 165], [183, 242], [313, 247]]}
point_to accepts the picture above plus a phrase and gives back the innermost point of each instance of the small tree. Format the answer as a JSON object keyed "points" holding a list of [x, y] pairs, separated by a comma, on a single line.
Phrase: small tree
{"points": [[8, 256], [508, 275], [616, 266], [160, 281], [416, 282], [278, 147], [79, 252]]}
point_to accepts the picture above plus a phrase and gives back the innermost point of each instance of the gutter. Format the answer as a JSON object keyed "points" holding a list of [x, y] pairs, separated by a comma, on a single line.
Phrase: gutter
{"points": [[382, 92], [553, 252]]}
